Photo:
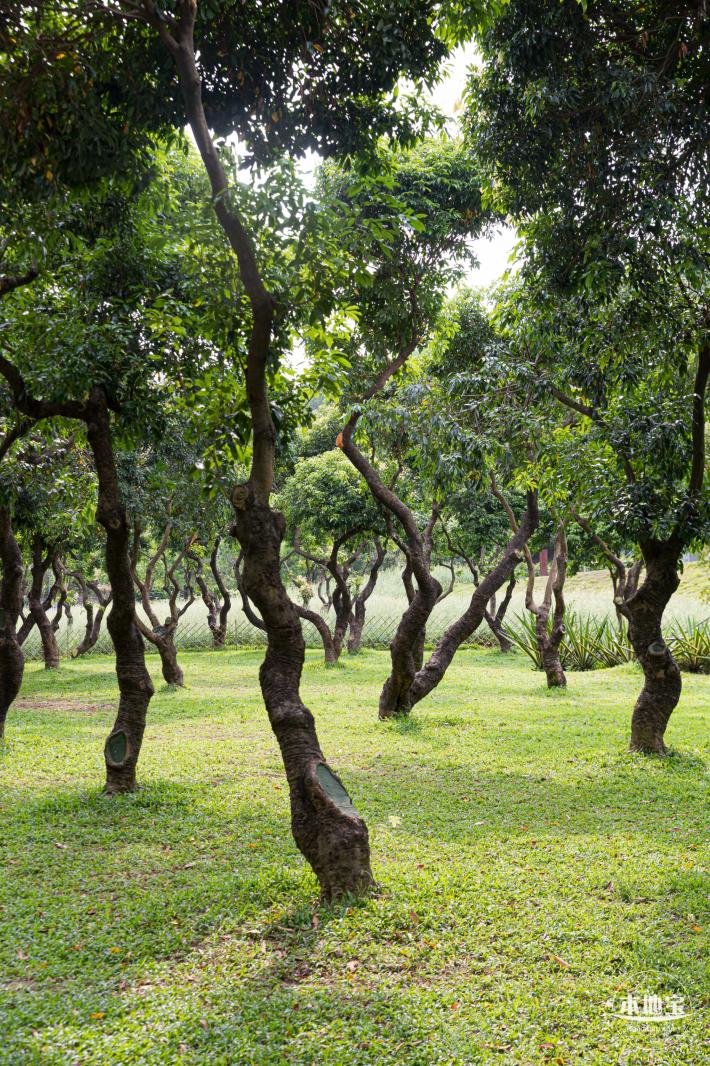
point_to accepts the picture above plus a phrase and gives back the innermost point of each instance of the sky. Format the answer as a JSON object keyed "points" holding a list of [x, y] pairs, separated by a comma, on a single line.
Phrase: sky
{"points": [[493, 252]]}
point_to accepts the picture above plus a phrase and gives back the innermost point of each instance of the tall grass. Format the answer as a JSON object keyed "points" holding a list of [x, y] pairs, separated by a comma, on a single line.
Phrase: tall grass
{"points": [[589, 643], [689, 641], [592, 643]]}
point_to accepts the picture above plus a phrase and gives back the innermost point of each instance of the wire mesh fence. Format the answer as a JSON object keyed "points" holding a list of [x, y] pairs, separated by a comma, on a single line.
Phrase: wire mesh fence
{"points": [[196, 636]]}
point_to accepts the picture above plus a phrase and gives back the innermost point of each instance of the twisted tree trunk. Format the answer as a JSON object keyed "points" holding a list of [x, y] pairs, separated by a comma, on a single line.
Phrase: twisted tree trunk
{"points": [[495, 617], [549, 640], [94, 619], [357, 618], [644, 610], [326, 827], [643, 606], [123, 744], [41, 563], [342, 599], [162, 635], [217, 611], [431, 674], [12, 661]]}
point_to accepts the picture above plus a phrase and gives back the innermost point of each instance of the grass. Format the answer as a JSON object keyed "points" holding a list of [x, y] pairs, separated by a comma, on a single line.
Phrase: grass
{"points": [[530, 869]]}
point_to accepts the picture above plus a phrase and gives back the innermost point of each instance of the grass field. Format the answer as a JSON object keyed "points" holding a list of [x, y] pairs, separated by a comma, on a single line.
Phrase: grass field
{"points": [[530, 869]]}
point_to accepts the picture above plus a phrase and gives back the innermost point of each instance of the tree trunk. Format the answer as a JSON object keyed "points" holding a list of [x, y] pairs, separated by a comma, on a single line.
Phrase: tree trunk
{"points": [[495, 616], [357, 618], [171, 669], [549, 640], [326, 827], [431, 674], [407, 650], [329, 650], [135, 686], [217, 613], [40, 566], [94, 619], [662, 680], [12, 661]]}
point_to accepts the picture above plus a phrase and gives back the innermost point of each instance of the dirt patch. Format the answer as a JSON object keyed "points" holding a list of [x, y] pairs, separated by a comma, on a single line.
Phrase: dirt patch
{"points": [[25, 703]]}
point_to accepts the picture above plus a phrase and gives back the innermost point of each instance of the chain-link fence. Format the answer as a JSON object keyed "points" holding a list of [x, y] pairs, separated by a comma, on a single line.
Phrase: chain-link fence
{"points": [[195, 636]]}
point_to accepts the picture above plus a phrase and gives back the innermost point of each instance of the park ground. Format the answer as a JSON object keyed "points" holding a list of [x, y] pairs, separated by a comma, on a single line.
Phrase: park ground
{"points": [[530, 871]]}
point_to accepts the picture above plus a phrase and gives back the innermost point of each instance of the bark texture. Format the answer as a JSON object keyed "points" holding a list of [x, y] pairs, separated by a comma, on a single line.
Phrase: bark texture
{"points": [[123, 744], [217, 609], [357, 617], [94, 618], [41, 562], [341, 600], [549, 637], [433, 671], [644, 610], [162, 635], [642, 604], [495, 617], [12, 661]]}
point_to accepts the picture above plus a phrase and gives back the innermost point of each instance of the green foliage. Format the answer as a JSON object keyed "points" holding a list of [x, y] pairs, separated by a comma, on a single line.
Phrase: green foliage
{"points": [[91, 91], [591, 125], [589, 643], [327, 499], [689, 641]]}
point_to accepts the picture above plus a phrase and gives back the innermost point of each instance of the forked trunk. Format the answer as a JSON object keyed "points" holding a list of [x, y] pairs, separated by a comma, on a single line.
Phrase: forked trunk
{"points": [[357, 624], [434, 670], [170, 667], [12, 661], [549, 648], [407, 650], [92, 628], [495, 616], [357, 618], [38, 607], [123, 744], [217, 613], [326, 827], [662, 680], [549, 638]]}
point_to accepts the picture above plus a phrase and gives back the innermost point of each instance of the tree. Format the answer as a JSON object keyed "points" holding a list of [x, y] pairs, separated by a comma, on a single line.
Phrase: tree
{"points": [[420, 240], [219, 606], [328, 507], [84, 349], [549, 637], [590, 122], [623, 449]]}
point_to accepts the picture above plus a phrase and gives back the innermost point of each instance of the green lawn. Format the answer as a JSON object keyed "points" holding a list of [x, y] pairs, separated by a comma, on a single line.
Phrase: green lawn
{"points": [[529, 868]]}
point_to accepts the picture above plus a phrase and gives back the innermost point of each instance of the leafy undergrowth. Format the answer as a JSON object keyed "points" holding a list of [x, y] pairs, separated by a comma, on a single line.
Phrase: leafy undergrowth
{"points": [[529, 869]]}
